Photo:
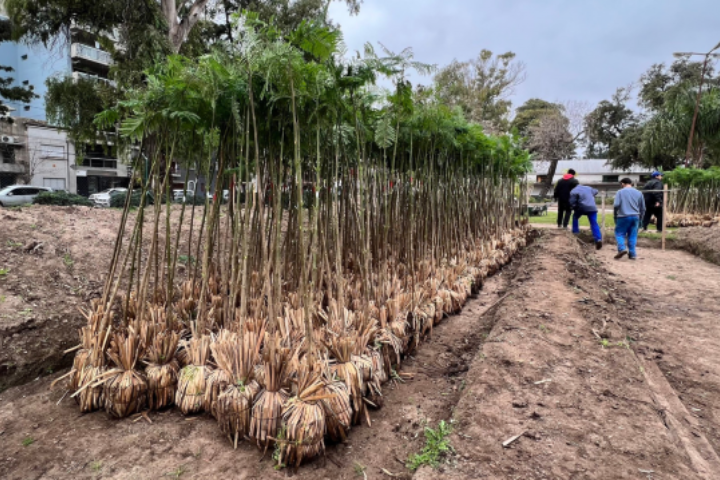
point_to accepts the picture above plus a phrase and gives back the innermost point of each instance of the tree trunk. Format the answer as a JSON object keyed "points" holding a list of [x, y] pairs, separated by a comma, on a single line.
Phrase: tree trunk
{"points": [[547, 183], [179, 28]]}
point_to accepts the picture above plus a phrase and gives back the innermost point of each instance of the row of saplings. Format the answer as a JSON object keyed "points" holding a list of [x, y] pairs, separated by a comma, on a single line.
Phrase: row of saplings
{"points": [[272, 388]]}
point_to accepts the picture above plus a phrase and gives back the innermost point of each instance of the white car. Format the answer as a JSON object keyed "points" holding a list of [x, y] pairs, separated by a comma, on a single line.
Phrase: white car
{"points": [[20, 194], [102, 199]]}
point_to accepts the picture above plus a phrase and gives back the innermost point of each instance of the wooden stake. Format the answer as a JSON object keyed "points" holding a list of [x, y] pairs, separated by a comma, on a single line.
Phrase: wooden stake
{"points": [[604, 194], [664, 216]]}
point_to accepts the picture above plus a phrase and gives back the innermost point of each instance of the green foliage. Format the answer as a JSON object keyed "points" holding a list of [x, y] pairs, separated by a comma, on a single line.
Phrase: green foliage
{"points": [[437, 446], [27, 441], [62, 199], [530, 112], [73, 104], [479, 87]]}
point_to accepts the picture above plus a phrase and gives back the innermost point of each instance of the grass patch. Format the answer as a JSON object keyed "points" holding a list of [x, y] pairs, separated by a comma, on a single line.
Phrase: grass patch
{"points": [[67, 260], [27, 441], [437, 445], [551, 218], [670, 235], [4, 271]]}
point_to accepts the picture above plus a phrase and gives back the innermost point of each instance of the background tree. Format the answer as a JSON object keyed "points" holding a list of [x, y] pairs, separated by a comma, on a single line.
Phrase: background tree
{"points": [[530, 112], [481, 88], [554, 136], [8, 92], [661, 81]]}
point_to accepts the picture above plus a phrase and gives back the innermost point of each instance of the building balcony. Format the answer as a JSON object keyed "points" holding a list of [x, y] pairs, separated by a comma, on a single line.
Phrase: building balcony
{"points": [[95, 78], [90, 55], [95, 162]]}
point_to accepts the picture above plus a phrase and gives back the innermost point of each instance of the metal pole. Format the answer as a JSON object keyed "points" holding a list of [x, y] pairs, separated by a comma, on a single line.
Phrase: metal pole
{"points": [[697, 108], [604, 194], [664, 216]]}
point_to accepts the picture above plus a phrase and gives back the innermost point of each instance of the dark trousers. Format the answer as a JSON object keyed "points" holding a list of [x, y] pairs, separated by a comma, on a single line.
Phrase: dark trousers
{"points": [[653, 210], [564, 213]]}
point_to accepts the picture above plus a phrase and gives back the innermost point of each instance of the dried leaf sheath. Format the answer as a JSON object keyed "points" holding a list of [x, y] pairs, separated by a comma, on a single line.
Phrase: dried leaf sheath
{"points": [[191, 395]]}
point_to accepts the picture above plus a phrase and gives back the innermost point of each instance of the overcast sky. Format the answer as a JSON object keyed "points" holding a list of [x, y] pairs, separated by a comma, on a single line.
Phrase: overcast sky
{"points": [[573, 49]]}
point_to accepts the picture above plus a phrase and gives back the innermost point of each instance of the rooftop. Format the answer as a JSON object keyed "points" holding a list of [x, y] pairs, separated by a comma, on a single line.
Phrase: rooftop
{"points": [[596, 166]]}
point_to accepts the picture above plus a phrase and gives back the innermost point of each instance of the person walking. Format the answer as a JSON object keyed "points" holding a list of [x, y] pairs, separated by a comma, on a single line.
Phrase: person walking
{"points": [[628, 209], [582, 201], [562, 196], [653, 193]]}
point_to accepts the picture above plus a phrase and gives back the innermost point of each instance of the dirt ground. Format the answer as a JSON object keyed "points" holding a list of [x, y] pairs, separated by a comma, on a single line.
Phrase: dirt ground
{"points": [[589, 367], [52, 261]]}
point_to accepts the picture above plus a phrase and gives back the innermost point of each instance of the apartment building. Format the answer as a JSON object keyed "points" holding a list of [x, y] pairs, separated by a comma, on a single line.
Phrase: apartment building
{"points": [[35, 152]]}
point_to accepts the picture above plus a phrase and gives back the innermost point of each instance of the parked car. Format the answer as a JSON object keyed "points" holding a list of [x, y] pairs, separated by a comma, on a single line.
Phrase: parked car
{"points": [[20, 194], [102, 199]]}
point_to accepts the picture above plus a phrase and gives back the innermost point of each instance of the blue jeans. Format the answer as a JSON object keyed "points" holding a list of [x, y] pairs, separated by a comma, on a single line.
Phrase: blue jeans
{"points": [[626, 228], [592, 217]]}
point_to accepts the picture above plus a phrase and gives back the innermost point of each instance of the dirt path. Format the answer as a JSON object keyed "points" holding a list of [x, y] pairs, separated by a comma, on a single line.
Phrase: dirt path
{"points": [[559, 370], [679, 321]]}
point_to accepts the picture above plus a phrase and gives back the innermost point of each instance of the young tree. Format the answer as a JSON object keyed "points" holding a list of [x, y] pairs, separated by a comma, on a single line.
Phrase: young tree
{"points": [[481, 87]]}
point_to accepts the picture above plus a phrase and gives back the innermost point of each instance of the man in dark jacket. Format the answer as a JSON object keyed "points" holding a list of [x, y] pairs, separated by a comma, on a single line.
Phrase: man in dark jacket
{"points": [[653, 201], [582, 201], [562, 195]]}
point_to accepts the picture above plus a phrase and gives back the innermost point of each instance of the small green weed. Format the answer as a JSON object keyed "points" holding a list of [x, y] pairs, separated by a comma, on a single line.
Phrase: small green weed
{"points": [[185, 260], [544, 329], [277, 454], [96, 466], [437, 445], [12, 244], [33, 226], [2, 298], [4, 272], [671, 277], [27, 441], [605, 343], [68, 261], [359, 469], [177, 473]]}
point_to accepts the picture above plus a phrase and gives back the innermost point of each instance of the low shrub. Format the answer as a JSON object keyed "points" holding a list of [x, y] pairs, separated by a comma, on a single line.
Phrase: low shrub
{"points": [[62, 199], [118, 200]]}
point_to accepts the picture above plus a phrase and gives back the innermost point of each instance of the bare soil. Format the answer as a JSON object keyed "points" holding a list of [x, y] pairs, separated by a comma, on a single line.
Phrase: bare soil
{"points": [[53, 260], [597, 368]]}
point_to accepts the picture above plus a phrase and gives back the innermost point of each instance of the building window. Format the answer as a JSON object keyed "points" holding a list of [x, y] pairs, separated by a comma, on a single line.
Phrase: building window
{"points": [[611, 178], [541, 178], [7, 153], [52, 151]]}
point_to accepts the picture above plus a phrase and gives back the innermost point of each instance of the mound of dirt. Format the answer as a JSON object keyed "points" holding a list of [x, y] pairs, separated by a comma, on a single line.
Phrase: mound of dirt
{"points": [[701, 241]]}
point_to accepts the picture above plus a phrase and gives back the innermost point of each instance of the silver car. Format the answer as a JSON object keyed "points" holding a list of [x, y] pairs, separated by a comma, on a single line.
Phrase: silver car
{"points": [[102, 199], [20, 194]]}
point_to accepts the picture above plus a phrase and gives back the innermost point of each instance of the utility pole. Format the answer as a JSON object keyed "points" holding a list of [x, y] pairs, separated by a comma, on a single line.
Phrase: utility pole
{"points": [[699, 93]]}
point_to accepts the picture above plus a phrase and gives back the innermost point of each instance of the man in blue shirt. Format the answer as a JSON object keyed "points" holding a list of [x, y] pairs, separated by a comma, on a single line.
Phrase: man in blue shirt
{"points": [[582, 201], [629, 208]]}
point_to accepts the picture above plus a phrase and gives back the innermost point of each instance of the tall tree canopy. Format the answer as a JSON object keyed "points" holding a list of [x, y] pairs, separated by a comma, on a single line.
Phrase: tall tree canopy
{"points": [[658, 136], [481, 87], [530, 112]]}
